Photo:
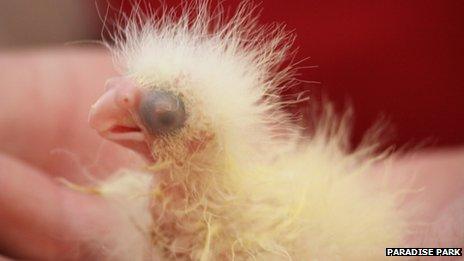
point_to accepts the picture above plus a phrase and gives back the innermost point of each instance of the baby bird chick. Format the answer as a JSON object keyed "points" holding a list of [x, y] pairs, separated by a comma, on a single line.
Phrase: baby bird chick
{"points": [[233, 176]]}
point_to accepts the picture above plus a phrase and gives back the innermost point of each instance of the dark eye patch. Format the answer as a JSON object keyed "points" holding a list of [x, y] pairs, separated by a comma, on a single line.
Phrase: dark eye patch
{"points": [[161, 112]]}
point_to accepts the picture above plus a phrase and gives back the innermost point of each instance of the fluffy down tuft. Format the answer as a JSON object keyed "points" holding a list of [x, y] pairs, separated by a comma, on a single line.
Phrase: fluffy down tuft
{"points": [[257, 189], [229, 72]]}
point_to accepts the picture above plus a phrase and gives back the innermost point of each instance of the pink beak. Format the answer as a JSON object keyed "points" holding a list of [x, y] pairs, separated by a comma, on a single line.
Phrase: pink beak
{"points": [[114, 115]]}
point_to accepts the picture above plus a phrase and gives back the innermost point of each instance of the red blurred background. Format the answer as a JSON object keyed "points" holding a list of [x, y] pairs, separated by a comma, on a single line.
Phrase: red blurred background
{"points": [[400, 59]]}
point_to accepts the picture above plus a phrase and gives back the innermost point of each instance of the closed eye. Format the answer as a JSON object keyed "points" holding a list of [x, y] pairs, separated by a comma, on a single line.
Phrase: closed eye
{"points": [[161, 112]]}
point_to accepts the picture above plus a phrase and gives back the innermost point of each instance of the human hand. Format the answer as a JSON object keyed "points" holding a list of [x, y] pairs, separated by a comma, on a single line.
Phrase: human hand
{"points": [[45, 97]]}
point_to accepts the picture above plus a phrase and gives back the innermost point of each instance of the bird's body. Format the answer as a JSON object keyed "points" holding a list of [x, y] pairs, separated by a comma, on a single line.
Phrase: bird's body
{"points": [[310, 204], [235, 178]]}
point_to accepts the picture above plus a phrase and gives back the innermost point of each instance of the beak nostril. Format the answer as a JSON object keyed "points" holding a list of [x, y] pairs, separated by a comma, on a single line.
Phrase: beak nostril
{"points": [[127, 98], [125, 102]]}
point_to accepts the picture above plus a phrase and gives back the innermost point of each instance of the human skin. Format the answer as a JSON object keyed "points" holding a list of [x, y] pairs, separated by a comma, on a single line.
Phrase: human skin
{"points": [[45, 96], [44, 134]]}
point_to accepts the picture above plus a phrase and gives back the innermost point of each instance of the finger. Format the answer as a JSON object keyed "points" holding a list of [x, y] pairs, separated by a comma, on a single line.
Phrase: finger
{"points": [[448, 229], [434, 182], [41, 220], [46, 108], [438, 178]]}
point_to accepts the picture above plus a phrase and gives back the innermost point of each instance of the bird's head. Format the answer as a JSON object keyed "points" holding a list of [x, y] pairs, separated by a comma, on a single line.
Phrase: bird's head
{"points": [[193, 88]]}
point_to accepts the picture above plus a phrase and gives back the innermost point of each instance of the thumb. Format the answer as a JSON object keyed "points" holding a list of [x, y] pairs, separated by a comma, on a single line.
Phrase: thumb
{"points": [[40, 219]]}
